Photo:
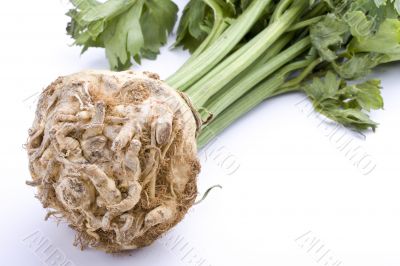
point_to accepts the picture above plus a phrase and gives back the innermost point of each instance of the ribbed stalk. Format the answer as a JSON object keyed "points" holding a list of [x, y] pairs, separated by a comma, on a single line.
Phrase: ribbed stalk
{"points": [[261, 92], [231, 67], [257, 75], [204, 62]]}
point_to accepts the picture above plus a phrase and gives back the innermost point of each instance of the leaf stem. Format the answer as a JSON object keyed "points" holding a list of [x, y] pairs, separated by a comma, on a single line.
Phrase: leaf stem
{"points": [[196, 69], [305, 23], [272, 87], [231, 67], [219, 27], [248, 81]]}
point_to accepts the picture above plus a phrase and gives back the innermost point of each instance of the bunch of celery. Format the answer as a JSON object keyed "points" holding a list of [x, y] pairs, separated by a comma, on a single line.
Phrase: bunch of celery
{"points": [[244, 52]]}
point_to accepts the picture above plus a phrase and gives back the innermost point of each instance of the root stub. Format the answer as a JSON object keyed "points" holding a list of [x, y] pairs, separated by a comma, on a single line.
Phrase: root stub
{"points": [[114, 154]]}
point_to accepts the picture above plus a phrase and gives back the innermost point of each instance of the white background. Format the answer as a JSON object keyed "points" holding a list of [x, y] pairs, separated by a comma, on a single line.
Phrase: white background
{"points": [[295, 182]]}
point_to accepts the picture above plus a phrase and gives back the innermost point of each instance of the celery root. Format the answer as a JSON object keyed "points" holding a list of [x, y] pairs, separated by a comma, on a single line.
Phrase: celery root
{"points": [[115, 155]]}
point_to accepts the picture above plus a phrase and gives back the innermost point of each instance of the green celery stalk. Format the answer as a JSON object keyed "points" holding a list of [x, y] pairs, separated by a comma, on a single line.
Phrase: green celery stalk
{"points": [[226, 71], [204, 62]]}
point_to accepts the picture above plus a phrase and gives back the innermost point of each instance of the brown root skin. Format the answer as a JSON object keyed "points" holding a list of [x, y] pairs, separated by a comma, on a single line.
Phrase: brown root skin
{"points": [[114, 154]]}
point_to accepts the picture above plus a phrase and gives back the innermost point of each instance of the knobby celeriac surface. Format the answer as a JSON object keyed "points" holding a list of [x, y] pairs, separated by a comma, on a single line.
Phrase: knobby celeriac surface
{"points": [[114, 154]]}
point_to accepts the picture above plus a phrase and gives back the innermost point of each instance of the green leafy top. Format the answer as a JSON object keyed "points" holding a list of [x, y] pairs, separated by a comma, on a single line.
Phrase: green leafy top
{"points": [[195, 25], [353, 38], [358, 35], [125, 28], [346, 104]]}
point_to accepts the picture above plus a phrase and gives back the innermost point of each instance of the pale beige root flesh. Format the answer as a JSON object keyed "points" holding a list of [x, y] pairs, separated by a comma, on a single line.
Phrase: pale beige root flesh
{"points": [[114, 154]]}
